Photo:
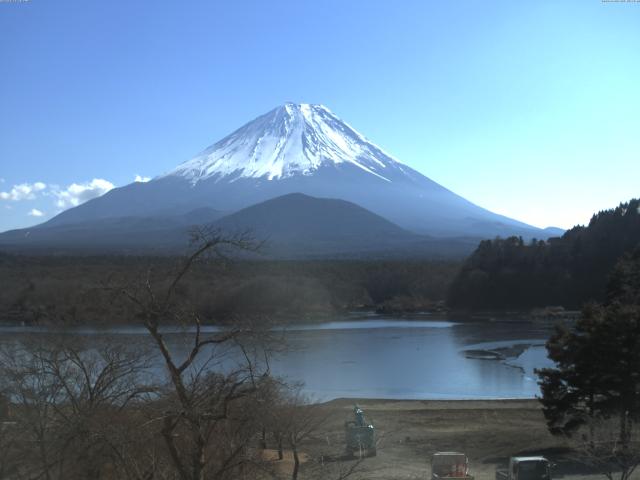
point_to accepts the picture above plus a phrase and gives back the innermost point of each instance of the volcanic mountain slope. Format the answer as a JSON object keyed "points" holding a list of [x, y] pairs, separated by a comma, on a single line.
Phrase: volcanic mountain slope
{"points": [[297, 225], [298, 217], [132, 234], [300, 148], [290, 226]]}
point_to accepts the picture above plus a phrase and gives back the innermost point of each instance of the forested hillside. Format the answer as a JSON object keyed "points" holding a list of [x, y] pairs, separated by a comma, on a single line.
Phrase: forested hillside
{"points": [[568, 271], [81, 290]]}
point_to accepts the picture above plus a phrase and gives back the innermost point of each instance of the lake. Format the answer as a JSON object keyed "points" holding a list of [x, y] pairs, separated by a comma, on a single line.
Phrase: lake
{"points": [[375, 356]]}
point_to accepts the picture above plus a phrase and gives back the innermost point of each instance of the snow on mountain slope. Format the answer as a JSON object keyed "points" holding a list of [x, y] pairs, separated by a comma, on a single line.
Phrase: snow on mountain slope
{"points": [[300, 148], [293, 139]]}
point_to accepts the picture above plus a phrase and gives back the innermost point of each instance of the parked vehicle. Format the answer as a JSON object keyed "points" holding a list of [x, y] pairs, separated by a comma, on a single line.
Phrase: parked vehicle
{"points": [[450, 465], [526, 468]]}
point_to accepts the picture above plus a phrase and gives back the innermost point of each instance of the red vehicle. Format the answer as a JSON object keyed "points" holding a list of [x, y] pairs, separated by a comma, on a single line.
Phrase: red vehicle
{"points": [[450, 465]]}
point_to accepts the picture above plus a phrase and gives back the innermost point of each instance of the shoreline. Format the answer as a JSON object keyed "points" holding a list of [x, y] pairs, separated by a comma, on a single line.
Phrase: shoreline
{"points": [[439, 404], [460, 317]]}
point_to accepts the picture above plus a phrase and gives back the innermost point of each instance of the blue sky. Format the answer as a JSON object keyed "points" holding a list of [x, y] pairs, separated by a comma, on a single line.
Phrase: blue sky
{"points": [[529, 109]]}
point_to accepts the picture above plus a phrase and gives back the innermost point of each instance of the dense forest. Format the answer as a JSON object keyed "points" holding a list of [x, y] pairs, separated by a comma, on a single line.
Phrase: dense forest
{"points": [[567, 271], [83, 290]]}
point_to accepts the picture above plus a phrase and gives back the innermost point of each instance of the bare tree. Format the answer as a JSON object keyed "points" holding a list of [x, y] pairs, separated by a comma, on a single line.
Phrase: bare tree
{"points": [[296, 420], [207, 423], [609, 445], [93, 412], [293, 421], [34, 395], [68, 401]]}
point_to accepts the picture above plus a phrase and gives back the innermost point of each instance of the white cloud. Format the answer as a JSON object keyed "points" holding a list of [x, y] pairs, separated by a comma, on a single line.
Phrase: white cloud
{"points": [[78, 193], [36, 213], [23, 191], [141, 179], [71, 196]]}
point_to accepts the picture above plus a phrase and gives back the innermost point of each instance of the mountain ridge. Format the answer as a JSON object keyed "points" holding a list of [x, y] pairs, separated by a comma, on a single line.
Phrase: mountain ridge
{"points": [[305, 149], [291, 226]]}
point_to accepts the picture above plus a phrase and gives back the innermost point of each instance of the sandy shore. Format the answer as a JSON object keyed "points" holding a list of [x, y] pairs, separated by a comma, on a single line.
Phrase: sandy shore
{"points": [[488, 431]]}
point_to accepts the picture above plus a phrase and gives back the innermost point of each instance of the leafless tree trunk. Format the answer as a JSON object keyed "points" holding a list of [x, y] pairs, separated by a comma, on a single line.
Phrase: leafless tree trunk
{"points": [[205, 396], [298, 419], [89, 413]]}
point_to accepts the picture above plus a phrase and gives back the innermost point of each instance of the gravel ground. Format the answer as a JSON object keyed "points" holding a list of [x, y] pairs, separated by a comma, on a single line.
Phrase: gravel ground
{"points": [[488, 431]]}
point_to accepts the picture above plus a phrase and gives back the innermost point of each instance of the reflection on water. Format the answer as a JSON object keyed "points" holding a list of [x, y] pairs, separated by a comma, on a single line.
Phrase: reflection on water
{"points": [[377, 357], [410, 360]]}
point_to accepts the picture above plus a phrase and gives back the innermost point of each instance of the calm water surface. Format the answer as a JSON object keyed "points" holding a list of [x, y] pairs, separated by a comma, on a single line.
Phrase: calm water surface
{"points": [[383, 357]]}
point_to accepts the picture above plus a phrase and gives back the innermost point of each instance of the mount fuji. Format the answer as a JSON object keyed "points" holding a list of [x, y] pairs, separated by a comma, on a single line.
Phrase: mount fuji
{"points": [[294, 148]]}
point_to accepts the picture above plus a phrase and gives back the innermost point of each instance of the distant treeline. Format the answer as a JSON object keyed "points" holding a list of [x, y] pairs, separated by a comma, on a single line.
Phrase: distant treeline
{"points": [[567, 271], [500, 274], [84, 290]]}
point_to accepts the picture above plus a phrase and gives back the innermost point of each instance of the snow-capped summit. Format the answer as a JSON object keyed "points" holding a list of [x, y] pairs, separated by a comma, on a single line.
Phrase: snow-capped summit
{"points": [[293, 139], [299, 148]]}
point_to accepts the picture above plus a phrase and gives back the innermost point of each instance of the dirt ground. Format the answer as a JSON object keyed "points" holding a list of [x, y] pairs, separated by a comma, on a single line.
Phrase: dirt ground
{"points": [[411, 431]]}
